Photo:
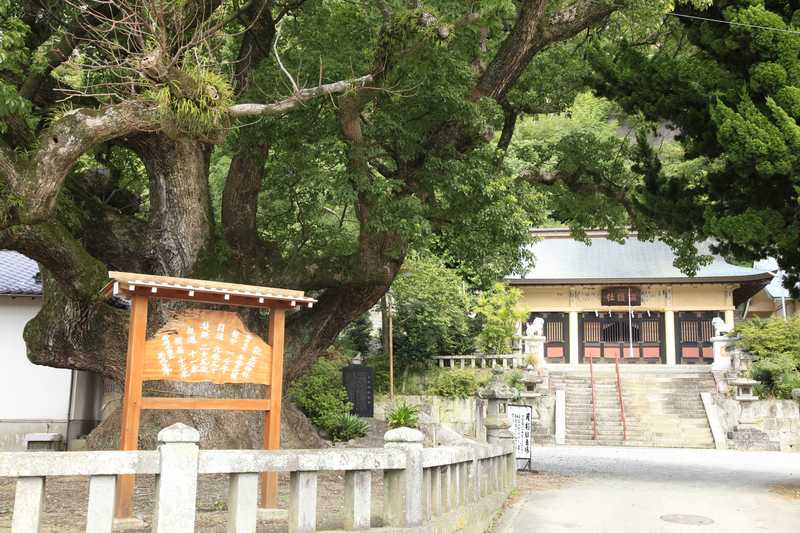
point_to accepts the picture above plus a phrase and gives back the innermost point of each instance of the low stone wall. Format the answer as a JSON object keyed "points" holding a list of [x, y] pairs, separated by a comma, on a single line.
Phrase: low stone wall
{"points": [[466, 416], [462, 415], [12, 433], [772, 425]]}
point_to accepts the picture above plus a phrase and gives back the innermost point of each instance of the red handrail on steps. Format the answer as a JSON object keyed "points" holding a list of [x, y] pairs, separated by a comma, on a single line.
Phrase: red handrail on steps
{"points": [[594, 400], [621, 404]]}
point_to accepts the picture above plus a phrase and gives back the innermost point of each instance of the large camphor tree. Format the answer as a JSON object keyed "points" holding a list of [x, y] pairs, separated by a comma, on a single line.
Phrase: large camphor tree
{"points": [[295, 143]]}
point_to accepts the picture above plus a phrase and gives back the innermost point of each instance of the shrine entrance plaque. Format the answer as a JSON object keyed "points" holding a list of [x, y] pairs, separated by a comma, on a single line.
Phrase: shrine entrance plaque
{"points": [[202, 345]]}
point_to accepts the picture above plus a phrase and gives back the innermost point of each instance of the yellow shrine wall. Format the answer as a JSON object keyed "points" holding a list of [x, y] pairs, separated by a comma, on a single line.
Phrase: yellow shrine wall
{"points": [[674, 297]]}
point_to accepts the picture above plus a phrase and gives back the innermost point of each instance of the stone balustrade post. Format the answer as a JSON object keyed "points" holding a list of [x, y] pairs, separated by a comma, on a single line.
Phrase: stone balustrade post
{"points": [[28, 505], [475, 479], [722, 346], [303, 501], [357, 499], [176, 490], [100, 512], [534, 350], [437, 498], [427, 494], [242, 502], [403, 488]]}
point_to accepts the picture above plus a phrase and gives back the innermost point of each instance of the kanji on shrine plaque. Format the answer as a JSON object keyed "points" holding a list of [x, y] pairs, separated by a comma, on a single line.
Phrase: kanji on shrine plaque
{"points": [[205, 345]]}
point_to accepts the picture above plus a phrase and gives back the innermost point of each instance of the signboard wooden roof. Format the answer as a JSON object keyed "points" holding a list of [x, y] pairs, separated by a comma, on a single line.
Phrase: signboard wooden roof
{"points": [[202, 291]]}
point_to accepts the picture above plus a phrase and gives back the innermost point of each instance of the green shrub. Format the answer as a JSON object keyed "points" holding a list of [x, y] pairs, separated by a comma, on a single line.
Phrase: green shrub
{"points": [[514, 380], [403, 415], [323, 399], [431, 312], [359, 335], [775, 346], [380, 366], [344, 426], [497, 308], [456, 384]]}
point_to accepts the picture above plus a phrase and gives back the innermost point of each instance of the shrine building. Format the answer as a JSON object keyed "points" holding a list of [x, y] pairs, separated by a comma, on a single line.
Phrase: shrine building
{"points": [[628, 301]]}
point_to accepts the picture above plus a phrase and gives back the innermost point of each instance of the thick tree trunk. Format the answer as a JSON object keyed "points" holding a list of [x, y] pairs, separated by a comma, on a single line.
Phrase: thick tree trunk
{"points": [[180, 220], [309, 333]]}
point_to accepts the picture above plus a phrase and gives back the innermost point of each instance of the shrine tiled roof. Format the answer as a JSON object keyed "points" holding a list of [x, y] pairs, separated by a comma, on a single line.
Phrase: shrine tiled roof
{"points": [[19, 274], [563, 260]]}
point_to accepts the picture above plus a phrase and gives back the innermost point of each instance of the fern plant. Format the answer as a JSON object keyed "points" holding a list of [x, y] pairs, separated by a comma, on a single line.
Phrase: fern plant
{"points": [[403, 415], [344, 427]]}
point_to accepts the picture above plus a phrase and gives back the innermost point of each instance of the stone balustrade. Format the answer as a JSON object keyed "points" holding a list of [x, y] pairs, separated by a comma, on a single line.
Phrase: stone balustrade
{"points": [[425, 489], [482, 361]]}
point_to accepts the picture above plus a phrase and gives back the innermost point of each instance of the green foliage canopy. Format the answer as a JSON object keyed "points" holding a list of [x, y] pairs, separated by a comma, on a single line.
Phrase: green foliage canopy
{"points": [[498, 309], [732, 94], [431, 306]]}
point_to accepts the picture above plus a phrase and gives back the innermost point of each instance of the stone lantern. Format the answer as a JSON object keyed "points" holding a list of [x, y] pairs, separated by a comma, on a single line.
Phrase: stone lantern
{"points": [[531, 380], [744, 389], [497, 393]]}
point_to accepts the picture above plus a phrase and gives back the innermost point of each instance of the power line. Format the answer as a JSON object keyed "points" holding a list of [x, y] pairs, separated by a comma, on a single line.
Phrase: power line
{"points": [[769, 28]]}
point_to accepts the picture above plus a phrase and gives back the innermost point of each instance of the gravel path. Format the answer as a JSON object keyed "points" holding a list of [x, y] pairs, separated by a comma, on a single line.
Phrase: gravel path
{"points": [[643, 490]]}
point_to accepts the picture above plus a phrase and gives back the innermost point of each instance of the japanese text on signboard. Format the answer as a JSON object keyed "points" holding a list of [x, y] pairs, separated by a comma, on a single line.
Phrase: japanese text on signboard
{"points": [[521, 417], [202, 345]]}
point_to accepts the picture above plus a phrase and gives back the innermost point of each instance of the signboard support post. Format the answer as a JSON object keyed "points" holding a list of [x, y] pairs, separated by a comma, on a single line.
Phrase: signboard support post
{"points": [[272, 418], [132, 399]]}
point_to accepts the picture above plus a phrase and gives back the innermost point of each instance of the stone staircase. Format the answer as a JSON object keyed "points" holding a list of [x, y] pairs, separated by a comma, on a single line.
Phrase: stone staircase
{"points": [[662, 407]]}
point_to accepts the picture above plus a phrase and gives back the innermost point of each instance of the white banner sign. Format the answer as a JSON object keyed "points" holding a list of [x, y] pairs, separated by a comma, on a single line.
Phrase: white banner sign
{"points": [[521, 417]]}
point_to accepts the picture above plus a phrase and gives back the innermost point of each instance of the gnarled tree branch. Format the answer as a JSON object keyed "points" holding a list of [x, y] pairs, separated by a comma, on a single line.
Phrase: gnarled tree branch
{"points": [[534, 31], [297, 99], [66, 140]]}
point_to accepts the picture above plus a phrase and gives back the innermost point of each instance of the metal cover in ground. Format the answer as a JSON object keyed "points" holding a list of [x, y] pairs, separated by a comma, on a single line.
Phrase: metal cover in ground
{"points": [[687, 519]]}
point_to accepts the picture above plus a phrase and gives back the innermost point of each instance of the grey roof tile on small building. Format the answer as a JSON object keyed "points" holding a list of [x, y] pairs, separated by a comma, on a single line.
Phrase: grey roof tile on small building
{"points": [[775, 288], [565, 260], [18, 274]]}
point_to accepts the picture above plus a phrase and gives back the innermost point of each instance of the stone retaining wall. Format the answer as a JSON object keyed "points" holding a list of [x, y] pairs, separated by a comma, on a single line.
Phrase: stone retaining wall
{"points": [[466, 416], [772, 425]]}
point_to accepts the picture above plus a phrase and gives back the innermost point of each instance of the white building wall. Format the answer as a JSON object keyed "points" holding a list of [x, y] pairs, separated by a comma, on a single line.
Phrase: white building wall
{"points": [[33, 398]]}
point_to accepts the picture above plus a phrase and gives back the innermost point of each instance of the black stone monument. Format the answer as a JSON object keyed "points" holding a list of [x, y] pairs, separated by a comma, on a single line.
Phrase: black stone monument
{"points": [[358, 381]]}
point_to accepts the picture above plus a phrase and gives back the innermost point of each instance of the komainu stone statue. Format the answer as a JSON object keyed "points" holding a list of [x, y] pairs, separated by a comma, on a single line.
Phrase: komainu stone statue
{"points": [[535, 328], [721, 328]]}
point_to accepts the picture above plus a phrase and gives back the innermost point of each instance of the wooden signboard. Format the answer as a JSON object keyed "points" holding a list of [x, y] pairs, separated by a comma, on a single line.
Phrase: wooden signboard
{"points": [[202, 346]]}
